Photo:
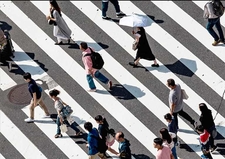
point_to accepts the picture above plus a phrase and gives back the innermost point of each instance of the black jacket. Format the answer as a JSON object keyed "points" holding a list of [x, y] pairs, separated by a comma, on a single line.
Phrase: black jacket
{"points": [[206, 119]]}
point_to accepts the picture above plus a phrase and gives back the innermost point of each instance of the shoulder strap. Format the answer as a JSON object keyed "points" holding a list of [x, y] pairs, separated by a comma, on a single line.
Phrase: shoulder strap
{"points": [[87, 54], [91, 50]]}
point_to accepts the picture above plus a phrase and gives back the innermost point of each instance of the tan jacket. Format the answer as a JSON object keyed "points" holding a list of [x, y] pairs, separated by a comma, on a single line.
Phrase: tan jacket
{"points": [[208, 11]]}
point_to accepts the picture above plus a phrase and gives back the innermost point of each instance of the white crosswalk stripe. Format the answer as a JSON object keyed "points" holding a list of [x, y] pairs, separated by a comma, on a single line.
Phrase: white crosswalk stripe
{"points": [[123, 116]]}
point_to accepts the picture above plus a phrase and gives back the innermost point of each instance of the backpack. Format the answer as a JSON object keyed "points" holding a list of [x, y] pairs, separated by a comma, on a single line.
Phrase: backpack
{"points": [[218, 8], [97, 60]]}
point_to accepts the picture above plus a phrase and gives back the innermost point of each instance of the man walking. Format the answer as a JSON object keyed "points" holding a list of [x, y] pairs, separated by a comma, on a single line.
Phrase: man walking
{"points": [[105, 4], [212, 11], [92, 72], [124, 146], [95, 149], [35, 92], [176, 103]]}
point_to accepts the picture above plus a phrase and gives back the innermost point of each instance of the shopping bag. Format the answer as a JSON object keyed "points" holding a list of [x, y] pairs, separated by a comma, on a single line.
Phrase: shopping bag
{"points": [[63, 128], [185, 96]]}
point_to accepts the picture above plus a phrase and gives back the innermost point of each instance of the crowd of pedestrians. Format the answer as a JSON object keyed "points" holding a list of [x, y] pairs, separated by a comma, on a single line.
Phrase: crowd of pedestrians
{"points": [[100, 139]]}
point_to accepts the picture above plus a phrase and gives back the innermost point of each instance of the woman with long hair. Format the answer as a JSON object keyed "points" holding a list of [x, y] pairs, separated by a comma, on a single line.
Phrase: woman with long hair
{"points": [[59, 104], [60, 29], [143, 49], [168, 140], [207, 122], [103, 129]]}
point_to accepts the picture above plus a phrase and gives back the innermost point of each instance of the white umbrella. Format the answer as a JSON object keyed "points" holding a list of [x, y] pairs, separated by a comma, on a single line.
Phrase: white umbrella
{"points": [[135, 20]]}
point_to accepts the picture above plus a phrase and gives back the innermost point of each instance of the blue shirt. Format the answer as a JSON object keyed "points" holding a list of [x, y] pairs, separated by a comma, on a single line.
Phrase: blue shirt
{"points": [[172, 127], [33, 88], [92, 141]]}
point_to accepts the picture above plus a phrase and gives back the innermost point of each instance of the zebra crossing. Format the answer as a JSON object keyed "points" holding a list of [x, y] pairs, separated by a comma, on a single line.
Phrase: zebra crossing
{"points": [[140, 117]]}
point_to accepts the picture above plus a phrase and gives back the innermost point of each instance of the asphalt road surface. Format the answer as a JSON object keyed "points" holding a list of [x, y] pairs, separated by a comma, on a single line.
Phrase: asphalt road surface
{"points": [[138, 99]]}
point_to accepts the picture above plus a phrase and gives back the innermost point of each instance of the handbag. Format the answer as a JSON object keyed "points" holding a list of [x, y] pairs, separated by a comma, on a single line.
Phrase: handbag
{"points": [[110, 140], [135, 45], [185, 96], [66, 111], [63, 128]]}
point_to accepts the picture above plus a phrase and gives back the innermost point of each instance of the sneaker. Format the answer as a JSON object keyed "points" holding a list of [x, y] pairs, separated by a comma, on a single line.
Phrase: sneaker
{"points": [[46, 116], [222, 41], [110, 85], [106, 18], [216, 42], [155, 65], [29, 120], [120, 15], [92, 90], [213, 149]]}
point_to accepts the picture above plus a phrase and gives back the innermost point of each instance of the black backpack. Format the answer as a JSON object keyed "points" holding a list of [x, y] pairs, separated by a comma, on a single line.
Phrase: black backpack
{"points": [[218, 8], [97, 60]]}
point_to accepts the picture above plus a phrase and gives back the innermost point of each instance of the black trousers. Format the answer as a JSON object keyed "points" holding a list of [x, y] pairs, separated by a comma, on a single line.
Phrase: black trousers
{"points": [[184, 115]]}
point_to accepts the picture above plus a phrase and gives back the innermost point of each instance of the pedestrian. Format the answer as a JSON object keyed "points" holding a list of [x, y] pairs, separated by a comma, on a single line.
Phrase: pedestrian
{"points": [[90, 71], [163, 152], [207, 122], [172, 127], [124, 146], [95, 144], [214, 20], [204, 140], [103, 129], [59, 105], [105, 4], [143, 49], [6, 48], [176, 103], [168, 140], [35, 92], [60, 29]]}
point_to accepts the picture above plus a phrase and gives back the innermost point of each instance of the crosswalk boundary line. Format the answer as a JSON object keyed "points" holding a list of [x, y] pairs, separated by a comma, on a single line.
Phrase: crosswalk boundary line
{"points": [[14, 135], [6, 82]]}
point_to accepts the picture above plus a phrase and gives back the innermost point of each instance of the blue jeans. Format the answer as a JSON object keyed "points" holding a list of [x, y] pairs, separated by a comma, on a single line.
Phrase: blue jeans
{"points": [[209, 27], [99, 76], [73, 125], [105, 7], [174, 152]]}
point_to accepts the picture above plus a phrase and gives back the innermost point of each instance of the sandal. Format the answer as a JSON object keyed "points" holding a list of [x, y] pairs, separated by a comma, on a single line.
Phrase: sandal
{"points": [[58, 135]]}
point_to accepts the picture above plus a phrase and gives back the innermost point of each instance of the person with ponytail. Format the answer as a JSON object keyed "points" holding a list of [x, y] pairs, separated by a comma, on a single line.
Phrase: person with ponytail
{"points": [[168, 140], [103, 129], [59, 104]]}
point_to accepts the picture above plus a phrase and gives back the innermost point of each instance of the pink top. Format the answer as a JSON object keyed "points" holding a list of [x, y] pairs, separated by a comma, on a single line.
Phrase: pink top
{"points": [[87, 62], [164, 153]]}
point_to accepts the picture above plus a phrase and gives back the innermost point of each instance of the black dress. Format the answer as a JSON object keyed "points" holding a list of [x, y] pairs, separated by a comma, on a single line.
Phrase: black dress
{"points": [[144, 51]]}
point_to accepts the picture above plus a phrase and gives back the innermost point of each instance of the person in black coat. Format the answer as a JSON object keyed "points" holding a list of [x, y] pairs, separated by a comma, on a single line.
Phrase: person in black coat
{"points": [[143, 49], [207, 122]]}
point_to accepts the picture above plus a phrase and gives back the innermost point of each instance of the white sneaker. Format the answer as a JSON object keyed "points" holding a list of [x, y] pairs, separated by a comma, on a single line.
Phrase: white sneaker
{"points": [[29, 120], [46, 116]]}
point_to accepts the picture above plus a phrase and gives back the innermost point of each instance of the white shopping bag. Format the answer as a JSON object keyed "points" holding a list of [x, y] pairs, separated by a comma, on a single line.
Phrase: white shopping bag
{"points": [[63, 128]]}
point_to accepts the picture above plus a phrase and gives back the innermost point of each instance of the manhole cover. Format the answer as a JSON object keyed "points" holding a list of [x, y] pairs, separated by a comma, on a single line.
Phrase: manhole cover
{"points": [[20, 95]]}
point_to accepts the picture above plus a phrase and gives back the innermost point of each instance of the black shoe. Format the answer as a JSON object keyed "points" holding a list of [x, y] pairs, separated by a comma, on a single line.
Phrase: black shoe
{"points": [[214, 148], [155, 65], [60, 43], [120, 15], [132, 64], [58, 135], [106, 18]]}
